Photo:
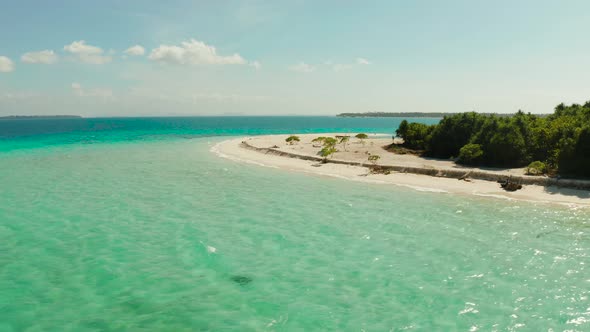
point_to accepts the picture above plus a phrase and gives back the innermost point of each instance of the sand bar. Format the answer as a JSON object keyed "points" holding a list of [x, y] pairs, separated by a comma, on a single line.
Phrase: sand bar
{"points": [[273, 151]]}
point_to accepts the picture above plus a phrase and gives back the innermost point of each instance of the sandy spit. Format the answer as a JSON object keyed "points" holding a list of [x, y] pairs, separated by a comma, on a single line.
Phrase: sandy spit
{"points": [[357, 151]]}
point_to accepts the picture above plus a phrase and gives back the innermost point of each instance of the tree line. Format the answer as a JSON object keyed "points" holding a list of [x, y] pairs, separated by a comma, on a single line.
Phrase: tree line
{"points": [[558, 143], [409, 115]]}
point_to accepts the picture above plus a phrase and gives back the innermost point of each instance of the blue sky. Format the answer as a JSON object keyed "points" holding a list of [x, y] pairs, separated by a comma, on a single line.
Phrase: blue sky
{"points": [[146, 57]]}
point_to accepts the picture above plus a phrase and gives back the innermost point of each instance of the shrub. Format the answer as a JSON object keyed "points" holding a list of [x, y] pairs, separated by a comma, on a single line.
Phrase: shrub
{"points": [[470, 154], [328, 151], [292, 139], [374, 158], [330, 141], [536, 168], [362, 137], [318, 139]]}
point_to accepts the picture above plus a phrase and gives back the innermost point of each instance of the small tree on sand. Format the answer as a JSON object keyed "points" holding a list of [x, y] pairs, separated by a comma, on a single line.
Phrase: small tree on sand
{"points": [[330, 141], [292, 139], [344, 140], [327, 152], [362, 137], [319, 140]]}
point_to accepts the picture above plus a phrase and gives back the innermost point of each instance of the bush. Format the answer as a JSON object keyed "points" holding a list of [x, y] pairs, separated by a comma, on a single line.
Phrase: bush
{"points": [[330, 141], [328, 151], [374, 158], [292, 139], [470, 154], [536, 168], [361, 136]]}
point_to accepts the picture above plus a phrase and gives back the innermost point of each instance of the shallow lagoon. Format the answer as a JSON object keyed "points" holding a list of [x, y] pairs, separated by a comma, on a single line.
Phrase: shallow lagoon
{"points": [[161, 234]]}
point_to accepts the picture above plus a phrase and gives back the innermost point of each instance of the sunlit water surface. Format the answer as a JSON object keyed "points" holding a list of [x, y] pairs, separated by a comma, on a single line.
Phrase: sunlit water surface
{"points": [[163, 235]]}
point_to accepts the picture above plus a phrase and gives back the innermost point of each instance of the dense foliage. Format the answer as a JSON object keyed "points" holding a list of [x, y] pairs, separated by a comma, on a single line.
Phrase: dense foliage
{"points": [[536, 168], [561, 141]]}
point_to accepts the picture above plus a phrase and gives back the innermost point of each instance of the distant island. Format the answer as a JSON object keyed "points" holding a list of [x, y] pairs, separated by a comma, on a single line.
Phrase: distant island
{"points": [[414, 114], [37, 117]]}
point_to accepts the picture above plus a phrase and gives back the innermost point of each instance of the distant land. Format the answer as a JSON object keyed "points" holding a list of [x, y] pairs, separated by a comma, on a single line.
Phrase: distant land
{"points": [[36, 117], [413, 114]]}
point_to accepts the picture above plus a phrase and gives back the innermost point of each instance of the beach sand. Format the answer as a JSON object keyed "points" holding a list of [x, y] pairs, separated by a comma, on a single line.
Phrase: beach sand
{"points": [[357, 152]]}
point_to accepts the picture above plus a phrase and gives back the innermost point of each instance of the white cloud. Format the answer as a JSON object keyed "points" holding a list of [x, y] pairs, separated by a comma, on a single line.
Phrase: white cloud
{"points": [[6, 65], [193, 52], [87, 53], [302, 67], [135, 50], [45, 57], [362, 61], [81, 92], [255, 64]]}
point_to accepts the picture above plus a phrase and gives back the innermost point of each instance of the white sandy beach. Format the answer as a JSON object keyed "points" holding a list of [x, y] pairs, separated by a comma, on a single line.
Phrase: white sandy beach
{"points": [[357, 152]]}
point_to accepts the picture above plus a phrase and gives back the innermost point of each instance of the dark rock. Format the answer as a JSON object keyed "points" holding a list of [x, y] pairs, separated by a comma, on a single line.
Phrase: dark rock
{"points": [[241, 280], [511, 186]]}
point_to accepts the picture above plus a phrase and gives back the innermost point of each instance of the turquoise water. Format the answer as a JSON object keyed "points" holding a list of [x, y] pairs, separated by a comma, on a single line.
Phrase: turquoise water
{"points": [[145, 229]]}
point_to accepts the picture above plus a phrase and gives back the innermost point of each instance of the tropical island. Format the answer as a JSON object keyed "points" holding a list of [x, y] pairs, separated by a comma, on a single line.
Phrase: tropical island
{"points": [[523, 156]]}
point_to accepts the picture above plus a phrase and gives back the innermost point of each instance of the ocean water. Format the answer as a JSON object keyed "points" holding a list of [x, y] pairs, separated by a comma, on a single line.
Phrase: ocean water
{"points": [[135, 225]]}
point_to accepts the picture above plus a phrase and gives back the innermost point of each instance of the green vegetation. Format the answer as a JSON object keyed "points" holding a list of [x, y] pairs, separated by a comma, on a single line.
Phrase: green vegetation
{"points": [[470, 154], [318, 139], [536, 168], [292, 139], [561, 140], [374, 158], [414, 134], [362, 137], [343, 141], [330, 141], [329, 146], [328, 151]]}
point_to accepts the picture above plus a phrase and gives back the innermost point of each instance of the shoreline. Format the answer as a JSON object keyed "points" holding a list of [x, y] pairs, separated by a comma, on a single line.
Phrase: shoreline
{"points": [[421, 174]]}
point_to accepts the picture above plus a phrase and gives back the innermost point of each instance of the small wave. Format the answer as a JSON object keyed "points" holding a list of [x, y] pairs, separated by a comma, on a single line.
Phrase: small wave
{"points": [[215, 150]]}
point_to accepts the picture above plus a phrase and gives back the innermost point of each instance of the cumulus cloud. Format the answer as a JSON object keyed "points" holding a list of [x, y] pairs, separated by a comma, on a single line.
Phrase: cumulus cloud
{"points": [[6, 65], [193, 52], [135, 50], [302, 67], [362, 61], [82, 92], [44, 57], [87, 53]]}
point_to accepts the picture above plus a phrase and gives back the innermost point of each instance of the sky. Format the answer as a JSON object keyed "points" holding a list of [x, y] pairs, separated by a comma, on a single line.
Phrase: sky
{"points": [[297, 57]]}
